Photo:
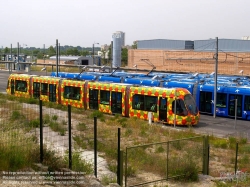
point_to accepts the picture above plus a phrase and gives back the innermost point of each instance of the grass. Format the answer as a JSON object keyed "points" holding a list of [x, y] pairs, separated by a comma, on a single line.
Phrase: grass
{"points": [[151, 159]]}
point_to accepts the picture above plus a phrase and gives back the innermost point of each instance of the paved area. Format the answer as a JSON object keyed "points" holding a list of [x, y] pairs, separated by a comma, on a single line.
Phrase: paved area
{"points": [[223, 127]]}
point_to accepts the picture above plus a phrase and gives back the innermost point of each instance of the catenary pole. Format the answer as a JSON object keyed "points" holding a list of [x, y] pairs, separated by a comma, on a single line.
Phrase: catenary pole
{"points": [[215, 76]]}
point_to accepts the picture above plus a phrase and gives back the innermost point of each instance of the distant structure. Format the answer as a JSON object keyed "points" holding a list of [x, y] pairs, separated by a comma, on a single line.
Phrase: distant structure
{"points": [[118, 42], [245, 38], [76, 60]]}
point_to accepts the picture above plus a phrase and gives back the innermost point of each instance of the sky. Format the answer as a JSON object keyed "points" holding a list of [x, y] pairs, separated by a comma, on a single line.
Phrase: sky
{"points": [[34, 23]]}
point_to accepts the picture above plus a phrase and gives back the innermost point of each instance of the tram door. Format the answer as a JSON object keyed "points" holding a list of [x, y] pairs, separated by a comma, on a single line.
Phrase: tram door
{"points": [[163, 109], [116, 102], [231, 108], [36, 89], [93, 99], [52, 92], [205, 102], [12, 87]]}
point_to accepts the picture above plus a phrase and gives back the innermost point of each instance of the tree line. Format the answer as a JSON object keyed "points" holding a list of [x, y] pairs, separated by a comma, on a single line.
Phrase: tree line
{"points": [[41, 53]]}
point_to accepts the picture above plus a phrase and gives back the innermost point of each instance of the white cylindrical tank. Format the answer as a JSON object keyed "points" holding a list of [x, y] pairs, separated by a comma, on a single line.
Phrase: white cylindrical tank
{"points": [[117, 46]]}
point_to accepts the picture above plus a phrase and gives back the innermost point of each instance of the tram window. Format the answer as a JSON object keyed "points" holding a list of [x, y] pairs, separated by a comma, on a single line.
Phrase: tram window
{"points": [[71, 92], [247, 103], [221, 100], [44, 88], [104, 97], [21, 86], [138, 102], [151, 103], [180, 107], [190, 103]]}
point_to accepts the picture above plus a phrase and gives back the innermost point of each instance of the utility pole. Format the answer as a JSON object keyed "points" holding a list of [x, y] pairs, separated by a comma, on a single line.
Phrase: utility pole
{"points": [[111, 56], [56, 57], [44, 54], [215, 76]]}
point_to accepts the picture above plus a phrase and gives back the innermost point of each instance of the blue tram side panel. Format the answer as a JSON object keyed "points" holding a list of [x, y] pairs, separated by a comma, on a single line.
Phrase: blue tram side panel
{"points": [[190, 86], [226, 96], [142, 81]]}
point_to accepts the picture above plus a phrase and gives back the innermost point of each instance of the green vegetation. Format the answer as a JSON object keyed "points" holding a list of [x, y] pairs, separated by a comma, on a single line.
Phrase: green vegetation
{"points": [[185, 156]]}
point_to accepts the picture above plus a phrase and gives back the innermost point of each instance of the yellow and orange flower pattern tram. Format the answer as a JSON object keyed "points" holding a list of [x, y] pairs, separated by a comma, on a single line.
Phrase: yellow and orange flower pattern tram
{"points": [[47, 80], [21, 77], [107, 98], [73, 83], [170, 94], [107, 87]]}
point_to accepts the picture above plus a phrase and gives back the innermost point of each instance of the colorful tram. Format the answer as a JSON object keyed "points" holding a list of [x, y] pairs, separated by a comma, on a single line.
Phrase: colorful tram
{"points": [[201, 86], [167, 105]]}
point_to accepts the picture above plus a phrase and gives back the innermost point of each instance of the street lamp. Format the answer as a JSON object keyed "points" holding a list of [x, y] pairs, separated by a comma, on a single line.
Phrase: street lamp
{"points": [[94, 52]]}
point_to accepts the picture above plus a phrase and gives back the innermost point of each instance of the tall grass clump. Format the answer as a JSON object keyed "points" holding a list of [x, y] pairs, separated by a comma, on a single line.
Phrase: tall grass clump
{"points": [[79, 164]]}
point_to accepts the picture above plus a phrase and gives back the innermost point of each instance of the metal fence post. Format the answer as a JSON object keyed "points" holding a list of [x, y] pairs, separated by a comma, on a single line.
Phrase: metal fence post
{"points": [[167, 157], [69, 130], [126, 165], [95, 146], [205, 156], [118, 156], [236, 158], [41, 130], [121, 168]]}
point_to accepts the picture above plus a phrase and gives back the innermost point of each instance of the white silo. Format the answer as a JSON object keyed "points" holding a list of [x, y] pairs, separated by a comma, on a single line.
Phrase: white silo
{"points": [[118, 40]]}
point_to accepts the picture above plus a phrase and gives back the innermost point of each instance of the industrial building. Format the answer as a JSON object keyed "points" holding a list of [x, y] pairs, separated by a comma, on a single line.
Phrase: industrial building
{"points": [[74, 60], [191, 56]]}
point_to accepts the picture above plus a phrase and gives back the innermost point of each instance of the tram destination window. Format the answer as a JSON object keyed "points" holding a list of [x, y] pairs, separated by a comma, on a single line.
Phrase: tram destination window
{"points": [[21, 86], [71, 92]]}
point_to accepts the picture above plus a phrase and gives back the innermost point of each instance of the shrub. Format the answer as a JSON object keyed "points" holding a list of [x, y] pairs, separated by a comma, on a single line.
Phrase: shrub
{"points": [[81, 126], [80, 165]]}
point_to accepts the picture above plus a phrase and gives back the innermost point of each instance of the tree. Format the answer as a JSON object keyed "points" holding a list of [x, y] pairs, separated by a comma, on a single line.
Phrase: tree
{"points": [[134, 46], [6, 50], [73, 51], [124, 56], [51, 51], [84, 53]]}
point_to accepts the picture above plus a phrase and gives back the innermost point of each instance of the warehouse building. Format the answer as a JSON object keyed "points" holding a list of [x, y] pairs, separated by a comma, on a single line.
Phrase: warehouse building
{"points": [[191, 56]]}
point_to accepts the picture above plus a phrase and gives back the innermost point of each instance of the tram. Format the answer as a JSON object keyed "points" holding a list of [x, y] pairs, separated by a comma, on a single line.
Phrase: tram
{"points": [[167, 105]]}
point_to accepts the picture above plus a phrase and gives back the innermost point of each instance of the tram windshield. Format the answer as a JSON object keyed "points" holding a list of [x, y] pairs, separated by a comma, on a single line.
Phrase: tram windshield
{"points": [[190, 103]]}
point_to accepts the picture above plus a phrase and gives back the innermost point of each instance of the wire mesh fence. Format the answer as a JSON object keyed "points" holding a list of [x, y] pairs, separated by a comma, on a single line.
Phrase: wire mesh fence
{"points": [[157, 162]]}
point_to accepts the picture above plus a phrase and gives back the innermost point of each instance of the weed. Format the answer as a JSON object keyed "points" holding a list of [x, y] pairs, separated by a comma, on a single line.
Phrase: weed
{"points": [[160, 149], [243, 140], [221, 143], [131, 171], [80, 142], [81, 126], [97, 114], [34, 123], [178, 145], [15, 115], [55, 126], [128, 132], [78, 164], [46, 119], [107, 179], [54, 117]]}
